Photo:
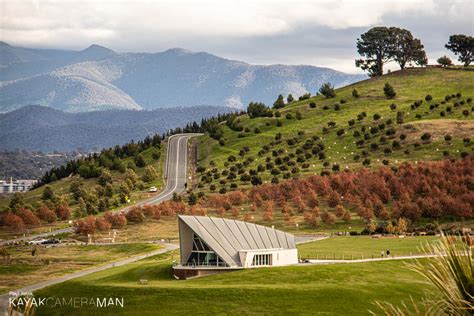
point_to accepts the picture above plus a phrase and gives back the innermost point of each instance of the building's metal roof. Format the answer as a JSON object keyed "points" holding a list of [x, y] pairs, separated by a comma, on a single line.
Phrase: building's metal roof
{"points": [[226, 236]]}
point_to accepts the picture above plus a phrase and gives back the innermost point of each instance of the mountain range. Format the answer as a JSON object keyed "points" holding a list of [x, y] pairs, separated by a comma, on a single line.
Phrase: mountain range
{"points": [[98, 78], [40, 128]]}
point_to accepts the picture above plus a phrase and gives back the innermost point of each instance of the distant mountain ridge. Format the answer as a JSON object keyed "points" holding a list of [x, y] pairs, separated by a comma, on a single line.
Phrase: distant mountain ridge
{"points": [[39, 128], [98, 78]]}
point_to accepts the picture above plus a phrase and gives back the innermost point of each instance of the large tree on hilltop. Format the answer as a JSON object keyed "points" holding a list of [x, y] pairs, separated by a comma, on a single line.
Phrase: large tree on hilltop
{"points": [[463, 46], [380, 45], [375, 46], [406, 48]]}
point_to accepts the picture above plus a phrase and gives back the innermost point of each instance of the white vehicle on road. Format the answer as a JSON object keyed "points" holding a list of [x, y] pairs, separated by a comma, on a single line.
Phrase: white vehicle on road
{"points": [[37, 241], [153, 189]]}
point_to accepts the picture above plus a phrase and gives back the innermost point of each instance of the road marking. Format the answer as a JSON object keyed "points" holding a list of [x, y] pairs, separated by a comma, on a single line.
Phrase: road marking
{"points": [[176, 171]]}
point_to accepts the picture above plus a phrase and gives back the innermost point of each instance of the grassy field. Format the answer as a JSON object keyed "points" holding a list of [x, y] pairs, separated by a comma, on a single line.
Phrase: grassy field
{"points": [[363, 247], [24, 269], [411, 85], [348, 289]]}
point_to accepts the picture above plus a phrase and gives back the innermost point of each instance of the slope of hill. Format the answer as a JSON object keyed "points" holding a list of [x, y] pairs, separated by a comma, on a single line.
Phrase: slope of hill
{"points": [[39, 128], [30, 165], [98, 78], [430, 118]]}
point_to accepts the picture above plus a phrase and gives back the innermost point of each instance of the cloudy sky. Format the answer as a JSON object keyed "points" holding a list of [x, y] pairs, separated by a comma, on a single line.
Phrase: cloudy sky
{"points": [[317, 32]]}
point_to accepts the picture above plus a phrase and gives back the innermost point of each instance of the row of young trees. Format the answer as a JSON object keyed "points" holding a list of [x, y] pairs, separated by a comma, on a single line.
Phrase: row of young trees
{"points": [[431, 190], [380, 45]]}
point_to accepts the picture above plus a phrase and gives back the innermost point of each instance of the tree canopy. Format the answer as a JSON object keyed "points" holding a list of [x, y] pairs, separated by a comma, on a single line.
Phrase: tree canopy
{"points": [[463, 46], [279, 103], [258, 109], [379, 45]]}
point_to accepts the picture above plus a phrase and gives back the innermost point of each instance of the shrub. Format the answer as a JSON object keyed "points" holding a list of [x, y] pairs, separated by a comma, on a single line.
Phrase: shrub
{"points": [[312, 105], [444, 61], [48, 194], [340, 132], [288, 116], [140, 161], [156, 154], [63, 211], [328, 218], [102, 224], [327, 90], [279, 103], [46, 214], [428, 98], [305, 96], [257, 109], [389, 91], [14, 222], [135, 215], [448, 138], [376, 117], [426, 137], [393, 106], [399, 117], [86, 226], [28, 217], [149, 174], [116, 220], [465, 112], [355, 94]]}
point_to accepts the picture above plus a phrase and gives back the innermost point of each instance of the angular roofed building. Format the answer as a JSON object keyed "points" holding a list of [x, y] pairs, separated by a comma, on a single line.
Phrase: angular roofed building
{"points": [[211, 245]]}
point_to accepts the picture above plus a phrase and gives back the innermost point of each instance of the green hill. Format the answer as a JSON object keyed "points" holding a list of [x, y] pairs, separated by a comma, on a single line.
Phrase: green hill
{"points": [[346, 132]]}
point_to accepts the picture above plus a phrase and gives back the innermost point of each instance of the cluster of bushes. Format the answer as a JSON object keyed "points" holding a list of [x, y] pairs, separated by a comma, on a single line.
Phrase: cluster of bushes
{"points": [[20, 215], [136, 214]]}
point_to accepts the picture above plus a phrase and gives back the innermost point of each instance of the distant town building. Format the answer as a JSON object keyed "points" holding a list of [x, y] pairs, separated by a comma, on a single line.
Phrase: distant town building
{"points": [[12, 186]]}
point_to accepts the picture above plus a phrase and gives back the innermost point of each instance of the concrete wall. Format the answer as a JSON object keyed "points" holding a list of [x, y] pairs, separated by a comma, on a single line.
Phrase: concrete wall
{"points": [[280, 257]]}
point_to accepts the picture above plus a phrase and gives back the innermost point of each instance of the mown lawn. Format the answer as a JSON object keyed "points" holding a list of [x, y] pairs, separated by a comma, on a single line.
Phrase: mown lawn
{"points": [[348, 289], [358, 247]]}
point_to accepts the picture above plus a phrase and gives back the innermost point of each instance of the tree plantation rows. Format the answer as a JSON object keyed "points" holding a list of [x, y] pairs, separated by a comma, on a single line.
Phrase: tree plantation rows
{"points": [[365, 139], [390, 200]]}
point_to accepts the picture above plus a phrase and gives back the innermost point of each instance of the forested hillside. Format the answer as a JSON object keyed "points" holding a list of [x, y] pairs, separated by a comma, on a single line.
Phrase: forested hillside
{"points": [[39, 128]]}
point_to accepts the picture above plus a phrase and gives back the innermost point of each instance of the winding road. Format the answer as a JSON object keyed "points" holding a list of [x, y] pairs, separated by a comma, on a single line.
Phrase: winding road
{"points": [[176, 177]]}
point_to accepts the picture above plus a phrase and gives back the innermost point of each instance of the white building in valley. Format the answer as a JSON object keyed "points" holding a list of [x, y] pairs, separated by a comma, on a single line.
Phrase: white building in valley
{"points": [[212, 245]]}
